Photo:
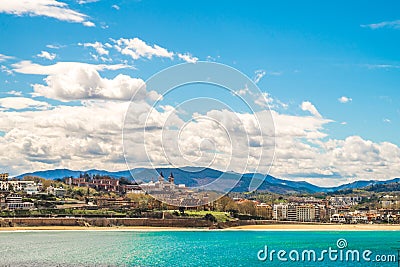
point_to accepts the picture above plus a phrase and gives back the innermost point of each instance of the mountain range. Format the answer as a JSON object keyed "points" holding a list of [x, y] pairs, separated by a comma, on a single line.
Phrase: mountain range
{"points": [[197, 176]]}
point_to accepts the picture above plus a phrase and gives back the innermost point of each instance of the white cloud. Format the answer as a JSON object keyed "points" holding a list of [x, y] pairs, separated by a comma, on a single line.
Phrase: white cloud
{"points": [[6, 70], [53, 46], [308, 106], [47, 55], [386, 120], [344, 99], [82, 2], [395, 24], [4, 57], [80, 137], [21, 103], [188, 58], [27, 67], [115, 7], [264, 100], [137, 48], [99, 47], [88, 24], [67, 81], [259, 75], [47, 8], [16, 93]]}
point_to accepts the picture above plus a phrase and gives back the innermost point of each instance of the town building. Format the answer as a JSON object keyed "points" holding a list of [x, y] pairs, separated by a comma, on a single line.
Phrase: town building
{"points": [[3, 176], [279, 212], [264, 210], [29, 187], [56, 191], [177, 195], [14, 202], [306, 213], [102, 184], [345, 201]]}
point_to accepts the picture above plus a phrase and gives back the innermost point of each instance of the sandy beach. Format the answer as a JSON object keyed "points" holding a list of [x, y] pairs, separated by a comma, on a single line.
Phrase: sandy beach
{"points": [[321, 227], [270, 227]]}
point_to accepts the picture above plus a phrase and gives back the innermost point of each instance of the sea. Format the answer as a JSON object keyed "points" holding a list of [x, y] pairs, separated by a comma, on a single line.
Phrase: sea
{"points": [[199, 248]]}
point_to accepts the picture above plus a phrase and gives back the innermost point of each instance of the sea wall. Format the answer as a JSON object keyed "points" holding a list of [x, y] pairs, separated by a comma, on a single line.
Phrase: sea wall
{"points": [[108, 222], [105, 222]]}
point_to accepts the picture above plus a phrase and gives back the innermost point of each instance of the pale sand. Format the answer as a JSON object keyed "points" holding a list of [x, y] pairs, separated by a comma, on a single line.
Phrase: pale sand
{"points": [[321, 227], [269, 227]]}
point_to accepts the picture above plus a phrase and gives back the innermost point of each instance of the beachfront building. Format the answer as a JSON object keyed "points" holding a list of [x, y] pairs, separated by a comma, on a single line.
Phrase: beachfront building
{"points": [[338, 218], [14, 202], [264, 210], [300, 212], [305, 213], [280, 212]]}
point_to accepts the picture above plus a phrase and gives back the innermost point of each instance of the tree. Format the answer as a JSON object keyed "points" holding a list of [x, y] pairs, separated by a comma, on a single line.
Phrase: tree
{"points": [[182, 210], [247, 207], [210, 217], [226, 203]]}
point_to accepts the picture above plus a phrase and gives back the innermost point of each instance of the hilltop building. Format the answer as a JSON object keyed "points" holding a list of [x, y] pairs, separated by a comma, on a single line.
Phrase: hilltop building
{"points": [[175, 194], [3, 176]]}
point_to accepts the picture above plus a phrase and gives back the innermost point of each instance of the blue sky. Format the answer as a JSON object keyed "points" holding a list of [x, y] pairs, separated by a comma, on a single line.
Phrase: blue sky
{"points": [[305, 51]]}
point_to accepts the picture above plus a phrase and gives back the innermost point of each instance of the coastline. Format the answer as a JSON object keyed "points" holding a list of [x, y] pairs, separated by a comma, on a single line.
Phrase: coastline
{"points": [[269, 227]]}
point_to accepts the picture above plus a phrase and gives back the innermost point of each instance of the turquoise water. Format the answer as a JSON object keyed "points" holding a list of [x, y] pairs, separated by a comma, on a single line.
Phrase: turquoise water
{"points": [[186, 248]]}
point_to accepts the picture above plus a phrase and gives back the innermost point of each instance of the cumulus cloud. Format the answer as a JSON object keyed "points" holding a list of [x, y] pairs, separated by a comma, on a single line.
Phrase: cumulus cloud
{"points": [[67, 81], [308, 106], [344, 99], [80, 137], [99, 47], [136, 48], [47, 55], [27, 67], [264, 100], [22, 103], [74, 137], [47, 8], [188, 58]]}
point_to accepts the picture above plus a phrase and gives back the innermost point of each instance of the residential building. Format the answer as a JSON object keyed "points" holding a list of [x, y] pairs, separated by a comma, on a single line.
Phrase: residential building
{"points": [[14, 202], [338, 218], [56, 191], [280, 212], [18, 186], [305, 213], [3, 176], [264, 210]]}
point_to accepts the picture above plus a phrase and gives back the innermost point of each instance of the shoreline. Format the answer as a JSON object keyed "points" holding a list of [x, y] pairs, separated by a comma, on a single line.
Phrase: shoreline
{"points": [[268, 227]]}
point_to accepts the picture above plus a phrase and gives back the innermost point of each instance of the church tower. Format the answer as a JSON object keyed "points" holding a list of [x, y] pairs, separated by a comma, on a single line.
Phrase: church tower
{"points": [[171, 178], [161, 178]]}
